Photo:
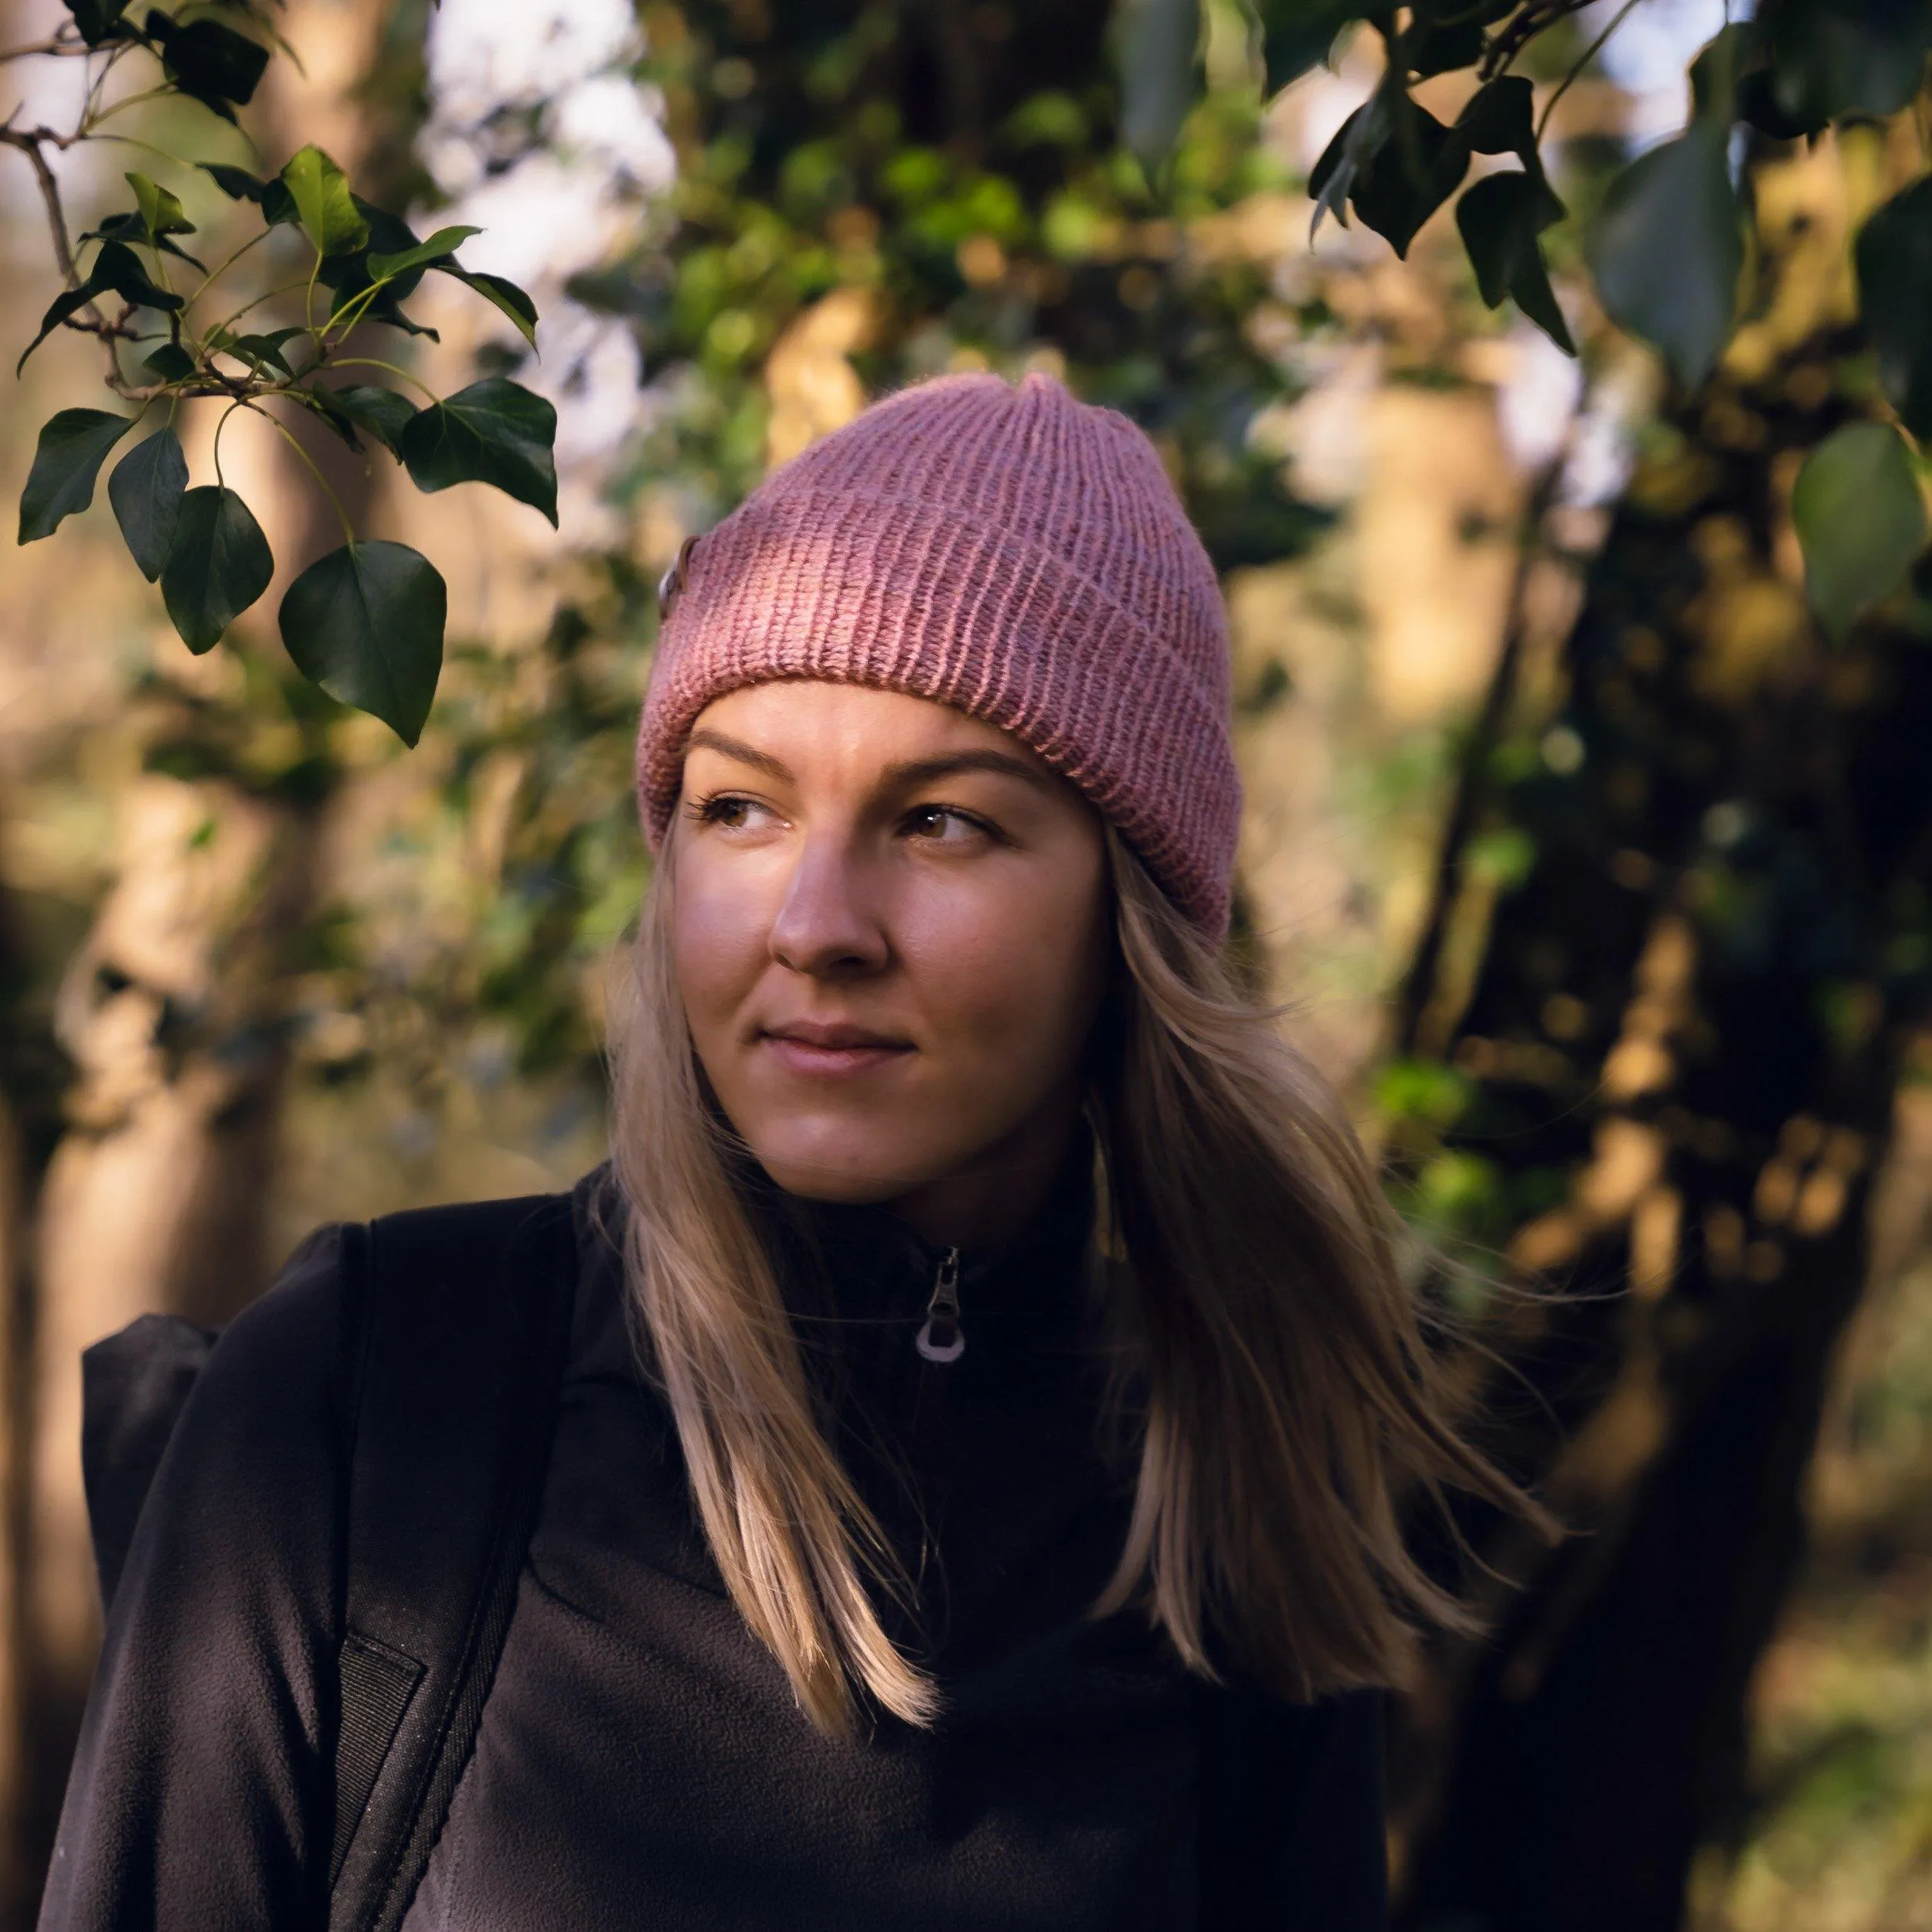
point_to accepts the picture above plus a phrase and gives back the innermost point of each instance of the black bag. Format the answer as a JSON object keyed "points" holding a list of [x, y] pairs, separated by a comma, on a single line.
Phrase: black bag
{"points": [[456, 1323]]}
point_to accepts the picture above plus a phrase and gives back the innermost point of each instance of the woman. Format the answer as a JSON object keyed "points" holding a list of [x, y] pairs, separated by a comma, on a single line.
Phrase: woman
{"points": [[973, 1498]]}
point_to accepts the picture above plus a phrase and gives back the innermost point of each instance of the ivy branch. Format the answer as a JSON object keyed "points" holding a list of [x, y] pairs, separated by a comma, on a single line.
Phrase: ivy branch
{"points": [[1667, 250], [366, 621]]}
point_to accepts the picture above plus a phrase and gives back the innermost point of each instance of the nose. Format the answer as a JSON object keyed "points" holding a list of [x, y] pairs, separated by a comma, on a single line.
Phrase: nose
{"points": [[826, 925]]}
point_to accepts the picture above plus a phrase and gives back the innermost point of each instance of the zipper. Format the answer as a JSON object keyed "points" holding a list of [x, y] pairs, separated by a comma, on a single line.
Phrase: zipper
{"points": [[942, 1338]]}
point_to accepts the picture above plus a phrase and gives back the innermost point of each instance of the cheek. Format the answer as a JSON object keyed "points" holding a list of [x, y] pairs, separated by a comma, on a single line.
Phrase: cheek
{"points": [[1010, 992], [719, 944]]}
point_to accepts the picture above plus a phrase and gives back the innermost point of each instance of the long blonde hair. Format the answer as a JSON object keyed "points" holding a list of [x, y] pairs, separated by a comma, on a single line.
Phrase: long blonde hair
{"points": [[1283, 1392]]}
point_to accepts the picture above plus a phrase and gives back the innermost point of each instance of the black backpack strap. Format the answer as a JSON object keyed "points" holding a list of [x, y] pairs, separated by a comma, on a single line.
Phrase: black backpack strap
{"points": [[458, 1323], [134, 1387]]}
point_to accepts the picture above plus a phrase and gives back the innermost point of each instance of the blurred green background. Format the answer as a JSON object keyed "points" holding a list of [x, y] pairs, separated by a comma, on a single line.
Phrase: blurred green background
{"points": [[1593, 875]]}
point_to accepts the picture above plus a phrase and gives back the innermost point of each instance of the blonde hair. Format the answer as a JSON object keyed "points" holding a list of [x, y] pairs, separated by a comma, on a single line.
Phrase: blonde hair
{"points": [[1279, 1378]]}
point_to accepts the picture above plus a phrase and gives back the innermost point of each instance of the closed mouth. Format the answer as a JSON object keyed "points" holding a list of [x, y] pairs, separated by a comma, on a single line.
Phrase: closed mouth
{"points": [[807, 1047]]}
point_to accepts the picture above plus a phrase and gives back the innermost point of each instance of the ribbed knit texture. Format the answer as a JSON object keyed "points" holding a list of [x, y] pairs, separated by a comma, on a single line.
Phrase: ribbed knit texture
{"points": [[1012, 552]]}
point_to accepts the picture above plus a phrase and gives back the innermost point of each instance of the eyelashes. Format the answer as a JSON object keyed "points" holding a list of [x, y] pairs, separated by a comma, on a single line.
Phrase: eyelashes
{"points": [[714, 808]]}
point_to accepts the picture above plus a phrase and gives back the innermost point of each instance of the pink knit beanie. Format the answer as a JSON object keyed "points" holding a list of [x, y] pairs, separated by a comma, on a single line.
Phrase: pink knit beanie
{"points": [[1011, 553]]}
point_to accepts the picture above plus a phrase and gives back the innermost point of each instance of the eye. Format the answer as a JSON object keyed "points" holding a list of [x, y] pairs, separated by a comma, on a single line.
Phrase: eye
{"points": [[729, 811], [946, 826]]}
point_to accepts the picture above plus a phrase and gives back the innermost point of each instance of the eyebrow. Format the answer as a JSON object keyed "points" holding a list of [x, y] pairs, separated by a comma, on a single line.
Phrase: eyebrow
{"points": [[916, 771], [704, 739], [921, 771]]}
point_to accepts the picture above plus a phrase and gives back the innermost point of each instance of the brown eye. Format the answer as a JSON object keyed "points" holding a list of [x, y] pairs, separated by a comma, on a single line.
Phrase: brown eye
{"points": [[727, 812], [944, 824]]}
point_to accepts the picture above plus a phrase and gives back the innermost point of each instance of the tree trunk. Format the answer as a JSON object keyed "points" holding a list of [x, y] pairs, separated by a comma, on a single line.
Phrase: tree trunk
{"points": [[1686, 1026], [175, 1010]]}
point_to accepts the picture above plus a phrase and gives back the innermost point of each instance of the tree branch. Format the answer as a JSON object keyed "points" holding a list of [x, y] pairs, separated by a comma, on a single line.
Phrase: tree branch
{"points": [[91, 321], [68, 49], [29, 141]]}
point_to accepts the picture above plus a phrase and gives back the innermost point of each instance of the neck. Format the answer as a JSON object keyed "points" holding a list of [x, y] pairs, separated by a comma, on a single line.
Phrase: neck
{"points": [[997, 1196]]}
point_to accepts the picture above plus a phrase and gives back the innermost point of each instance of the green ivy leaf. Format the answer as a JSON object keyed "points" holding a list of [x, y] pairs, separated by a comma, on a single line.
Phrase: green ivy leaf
{"points": [[146, 490], [495, 431], [264, 350], [1500, 119], [445, 242], [72, 448], [1860, 520], [118, 268], [1830, 59], [219, 565], [1415, 168], [1717, 74], [382, 412], [331, 418], [98, 20], [1668, 247], [1296, 35], [323, 203], [1894, 256], [208, 62], [1157, 48], [348, 274], [160, 210], [1431, 47], [1500, 218], [237, 183], [277, 204], [505, 294], [365, 623], [131, 228], [69, 302], [170, 363], [1333, 176]]}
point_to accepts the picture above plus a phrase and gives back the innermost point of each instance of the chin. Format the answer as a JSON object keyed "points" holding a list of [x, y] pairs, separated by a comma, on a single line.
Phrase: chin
{"points": [[853, 1176]]}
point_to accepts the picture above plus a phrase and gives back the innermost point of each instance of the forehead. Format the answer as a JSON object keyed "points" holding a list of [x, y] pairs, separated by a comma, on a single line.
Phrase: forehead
{"points": [[810, 724]]}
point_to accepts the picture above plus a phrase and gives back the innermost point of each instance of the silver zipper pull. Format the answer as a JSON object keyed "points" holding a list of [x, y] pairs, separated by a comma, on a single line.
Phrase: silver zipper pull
{"points": [[941, 1339]]}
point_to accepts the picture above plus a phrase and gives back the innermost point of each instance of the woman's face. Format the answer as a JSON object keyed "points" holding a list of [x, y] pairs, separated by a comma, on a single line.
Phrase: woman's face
{"points": [[892, 936]]}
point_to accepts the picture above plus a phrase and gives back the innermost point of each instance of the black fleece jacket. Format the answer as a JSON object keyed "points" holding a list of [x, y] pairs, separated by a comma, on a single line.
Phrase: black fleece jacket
{"points": [[642, 1762]]}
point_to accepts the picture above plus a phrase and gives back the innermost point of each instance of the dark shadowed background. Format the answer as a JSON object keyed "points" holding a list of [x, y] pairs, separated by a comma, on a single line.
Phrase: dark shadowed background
{"points": [[1595, 870]]}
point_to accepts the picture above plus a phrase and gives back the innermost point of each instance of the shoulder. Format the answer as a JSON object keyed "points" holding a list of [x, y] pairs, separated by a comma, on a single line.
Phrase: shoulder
{"points": [[257, 1444], [282, 1380]]}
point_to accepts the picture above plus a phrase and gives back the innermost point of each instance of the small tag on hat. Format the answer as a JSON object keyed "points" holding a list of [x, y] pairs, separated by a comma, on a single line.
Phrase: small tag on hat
{"points": [[671, 585]]}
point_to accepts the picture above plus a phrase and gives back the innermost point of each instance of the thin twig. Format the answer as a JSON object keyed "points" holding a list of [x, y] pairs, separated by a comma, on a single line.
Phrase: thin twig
{"points": [[29, 142], [314, 470], [222, 267], [1589, 54], [1418, 988], [61, 49], [372, 362]]}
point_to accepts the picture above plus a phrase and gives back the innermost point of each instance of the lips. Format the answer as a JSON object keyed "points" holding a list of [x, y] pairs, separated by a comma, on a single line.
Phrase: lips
{"points": [[816, 1048]]}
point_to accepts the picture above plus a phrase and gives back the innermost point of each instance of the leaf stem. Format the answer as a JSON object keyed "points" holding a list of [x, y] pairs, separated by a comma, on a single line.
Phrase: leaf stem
{"points": [[135, 141], [222, 268], [1589, 54], [91, 99], [93, 121], [372, 362], [240, 403], [314, 470], [349, 315], [286, 288]]}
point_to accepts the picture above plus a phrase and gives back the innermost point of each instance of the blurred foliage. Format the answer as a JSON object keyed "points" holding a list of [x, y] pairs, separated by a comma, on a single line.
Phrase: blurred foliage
{"points": [[366, 621], [1668, 237], [851, 211], [870, 192]]}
